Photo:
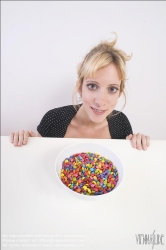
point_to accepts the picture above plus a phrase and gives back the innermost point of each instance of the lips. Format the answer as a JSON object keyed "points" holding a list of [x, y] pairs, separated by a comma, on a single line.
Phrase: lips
{"points": [[98, 111]]}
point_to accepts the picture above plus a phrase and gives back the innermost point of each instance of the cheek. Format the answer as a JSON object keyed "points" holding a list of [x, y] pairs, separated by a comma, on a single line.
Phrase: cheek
{"points": [[113, 99], [87, 96]]}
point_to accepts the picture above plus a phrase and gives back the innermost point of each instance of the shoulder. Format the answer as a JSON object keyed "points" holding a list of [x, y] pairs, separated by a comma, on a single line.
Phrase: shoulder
{"points": [[119, 125], [62, 115], [61, 112], [117, 116], [55, 121]]}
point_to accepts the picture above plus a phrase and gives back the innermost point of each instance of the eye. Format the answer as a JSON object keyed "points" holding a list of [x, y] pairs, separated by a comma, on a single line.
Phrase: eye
{"points": [[92, 86], [113, 89]]}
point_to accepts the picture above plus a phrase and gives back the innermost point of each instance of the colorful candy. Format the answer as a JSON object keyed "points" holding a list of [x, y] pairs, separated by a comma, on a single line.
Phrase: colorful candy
{"points": [[89, 174]]}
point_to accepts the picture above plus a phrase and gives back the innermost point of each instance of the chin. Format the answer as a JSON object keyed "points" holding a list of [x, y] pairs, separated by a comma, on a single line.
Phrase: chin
{"points": [[97, 119]]}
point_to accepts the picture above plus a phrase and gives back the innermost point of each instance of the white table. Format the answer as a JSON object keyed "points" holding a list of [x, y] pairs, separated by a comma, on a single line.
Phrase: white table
{"points": [[37, 213]]}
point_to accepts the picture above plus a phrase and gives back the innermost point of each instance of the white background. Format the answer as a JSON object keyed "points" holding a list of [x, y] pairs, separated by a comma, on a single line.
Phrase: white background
{"points": [[42, 43]]}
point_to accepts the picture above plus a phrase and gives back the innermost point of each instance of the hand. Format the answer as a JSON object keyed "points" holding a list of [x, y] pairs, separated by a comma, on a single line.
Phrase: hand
{"points": [[139, 141], [20, 138]]}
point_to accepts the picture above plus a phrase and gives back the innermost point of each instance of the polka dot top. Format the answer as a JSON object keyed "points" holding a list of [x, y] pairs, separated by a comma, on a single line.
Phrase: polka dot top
{"points": [[56, 121]]}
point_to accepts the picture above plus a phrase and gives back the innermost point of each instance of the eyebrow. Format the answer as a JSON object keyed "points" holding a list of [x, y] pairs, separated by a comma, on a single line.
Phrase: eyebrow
{"points": [[91, 81]]}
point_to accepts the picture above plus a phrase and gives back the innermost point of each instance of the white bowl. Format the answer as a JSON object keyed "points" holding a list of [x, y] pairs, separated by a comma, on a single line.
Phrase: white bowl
{"points": [[93, 148]]}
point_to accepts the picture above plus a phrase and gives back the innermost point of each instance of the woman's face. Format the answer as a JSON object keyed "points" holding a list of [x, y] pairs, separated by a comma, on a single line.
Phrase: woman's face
{"points": [[100, 94]]}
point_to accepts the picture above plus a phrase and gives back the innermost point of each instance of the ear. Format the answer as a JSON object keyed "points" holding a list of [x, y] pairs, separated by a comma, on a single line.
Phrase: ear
{"points": [[120, 94], [80, 92], [79, 88]]}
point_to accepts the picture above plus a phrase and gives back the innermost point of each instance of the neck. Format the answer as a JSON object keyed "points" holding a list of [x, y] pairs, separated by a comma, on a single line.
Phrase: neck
{"points": [[83, 119]]}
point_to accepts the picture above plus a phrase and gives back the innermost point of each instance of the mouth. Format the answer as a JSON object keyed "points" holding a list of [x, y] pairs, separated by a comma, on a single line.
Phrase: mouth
{"points": [[98, 111]]}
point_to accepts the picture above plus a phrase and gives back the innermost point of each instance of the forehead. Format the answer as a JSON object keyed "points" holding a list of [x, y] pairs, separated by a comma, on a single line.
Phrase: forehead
{"points": [[108, 74]]}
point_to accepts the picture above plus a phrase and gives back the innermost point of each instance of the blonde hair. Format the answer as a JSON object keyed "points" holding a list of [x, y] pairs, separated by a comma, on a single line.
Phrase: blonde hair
{"points": [[102, 55]]}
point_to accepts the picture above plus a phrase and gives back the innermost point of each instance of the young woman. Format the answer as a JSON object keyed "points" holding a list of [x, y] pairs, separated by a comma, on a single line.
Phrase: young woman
{"points": [[101, 81]]}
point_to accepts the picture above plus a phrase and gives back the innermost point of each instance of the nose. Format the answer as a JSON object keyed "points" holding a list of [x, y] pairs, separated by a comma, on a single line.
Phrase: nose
{"points": [[100, 99]]}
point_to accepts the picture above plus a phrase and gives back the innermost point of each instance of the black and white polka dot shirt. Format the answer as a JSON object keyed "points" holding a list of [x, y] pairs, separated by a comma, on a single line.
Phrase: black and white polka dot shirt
{"points": [[56, 121]]}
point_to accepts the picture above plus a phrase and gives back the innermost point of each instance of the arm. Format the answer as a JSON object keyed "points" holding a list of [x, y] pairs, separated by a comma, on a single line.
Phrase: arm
{"points": [[139, 141], [21, 137]]}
